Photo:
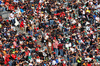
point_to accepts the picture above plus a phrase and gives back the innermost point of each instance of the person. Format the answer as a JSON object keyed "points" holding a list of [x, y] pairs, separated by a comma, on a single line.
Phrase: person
{"points": [[55, 45], [60, 46], [79, 61]]}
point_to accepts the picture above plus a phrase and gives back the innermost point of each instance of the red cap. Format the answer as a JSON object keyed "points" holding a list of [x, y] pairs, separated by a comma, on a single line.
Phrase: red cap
{"points": [[24, 39], [62, 59], [34, 28], [18, 58], [83, 31], [79, 7], [47, 34], [38, 57], [36, 49], [35, 40], [16, 39], [39, 45], [37, 28], [46, 25], [7, 20]]}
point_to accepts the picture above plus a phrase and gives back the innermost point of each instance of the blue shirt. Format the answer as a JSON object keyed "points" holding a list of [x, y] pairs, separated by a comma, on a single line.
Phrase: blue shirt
{"points": [[94, 16], [56, 60]]}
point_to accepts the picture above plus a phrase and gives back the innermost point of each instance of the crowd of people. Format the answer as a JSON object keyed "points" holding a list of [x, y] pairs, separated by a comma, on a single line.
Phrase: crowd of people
{"points": [[60, 33]]}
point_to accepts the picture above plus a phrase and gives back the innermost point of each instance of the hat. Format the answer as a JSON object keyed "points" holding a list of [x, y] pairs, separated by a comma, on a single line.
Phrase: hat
{"points": [[37, 57], [24, 39], [32, 4], [45, 49], [13, 52], [7, 20], [46, 25], [37, 28], [83, 31], [34, 28], [39, 45], [80, 7], [47, 34], [16, 51], [35, 40], [62, 59], [36, 49]]}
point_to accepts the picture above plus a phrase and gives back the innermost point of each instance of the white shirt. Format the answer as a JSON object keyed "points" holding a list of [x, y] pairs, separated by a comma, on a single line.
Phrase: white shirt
{"points": [[53, 62], [97, 19], [88, 59], [49, 44], [72, 49], [83, 11], [74, 21], [11, 16], [46, 37], [79, 24], [59, 60], [30, 64], [38, 60], [87, 28]]}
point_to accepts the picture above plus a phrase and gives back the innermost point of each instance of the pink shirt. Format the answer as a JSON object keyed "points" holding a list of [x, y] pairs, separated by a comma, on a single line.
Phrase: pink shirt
{"points": [[14, 43], [56, 44]]}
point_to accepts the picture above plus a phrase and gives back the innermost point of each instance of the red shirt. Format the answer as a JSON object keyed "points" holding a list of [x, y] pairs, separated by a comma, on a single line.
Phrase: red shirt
{"points": [[13, 56], [22, 24], [88, 64], [27, 52], [7, 59], [60, 46], [62, 14]]}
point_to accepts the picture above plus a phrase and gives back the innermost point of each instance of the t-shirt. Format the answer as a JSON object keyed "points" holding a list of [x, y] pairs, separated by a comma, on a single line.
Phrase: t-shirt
{"points": [[38, 60], [53, 62], [11, 16], [49, 44]]}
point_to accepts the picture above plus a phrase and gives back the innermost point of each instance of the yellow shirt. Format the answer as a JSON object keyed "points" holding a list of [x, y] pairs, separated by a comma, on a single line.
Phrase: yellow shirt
{"points": [[88, 11], [4, 52]]}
